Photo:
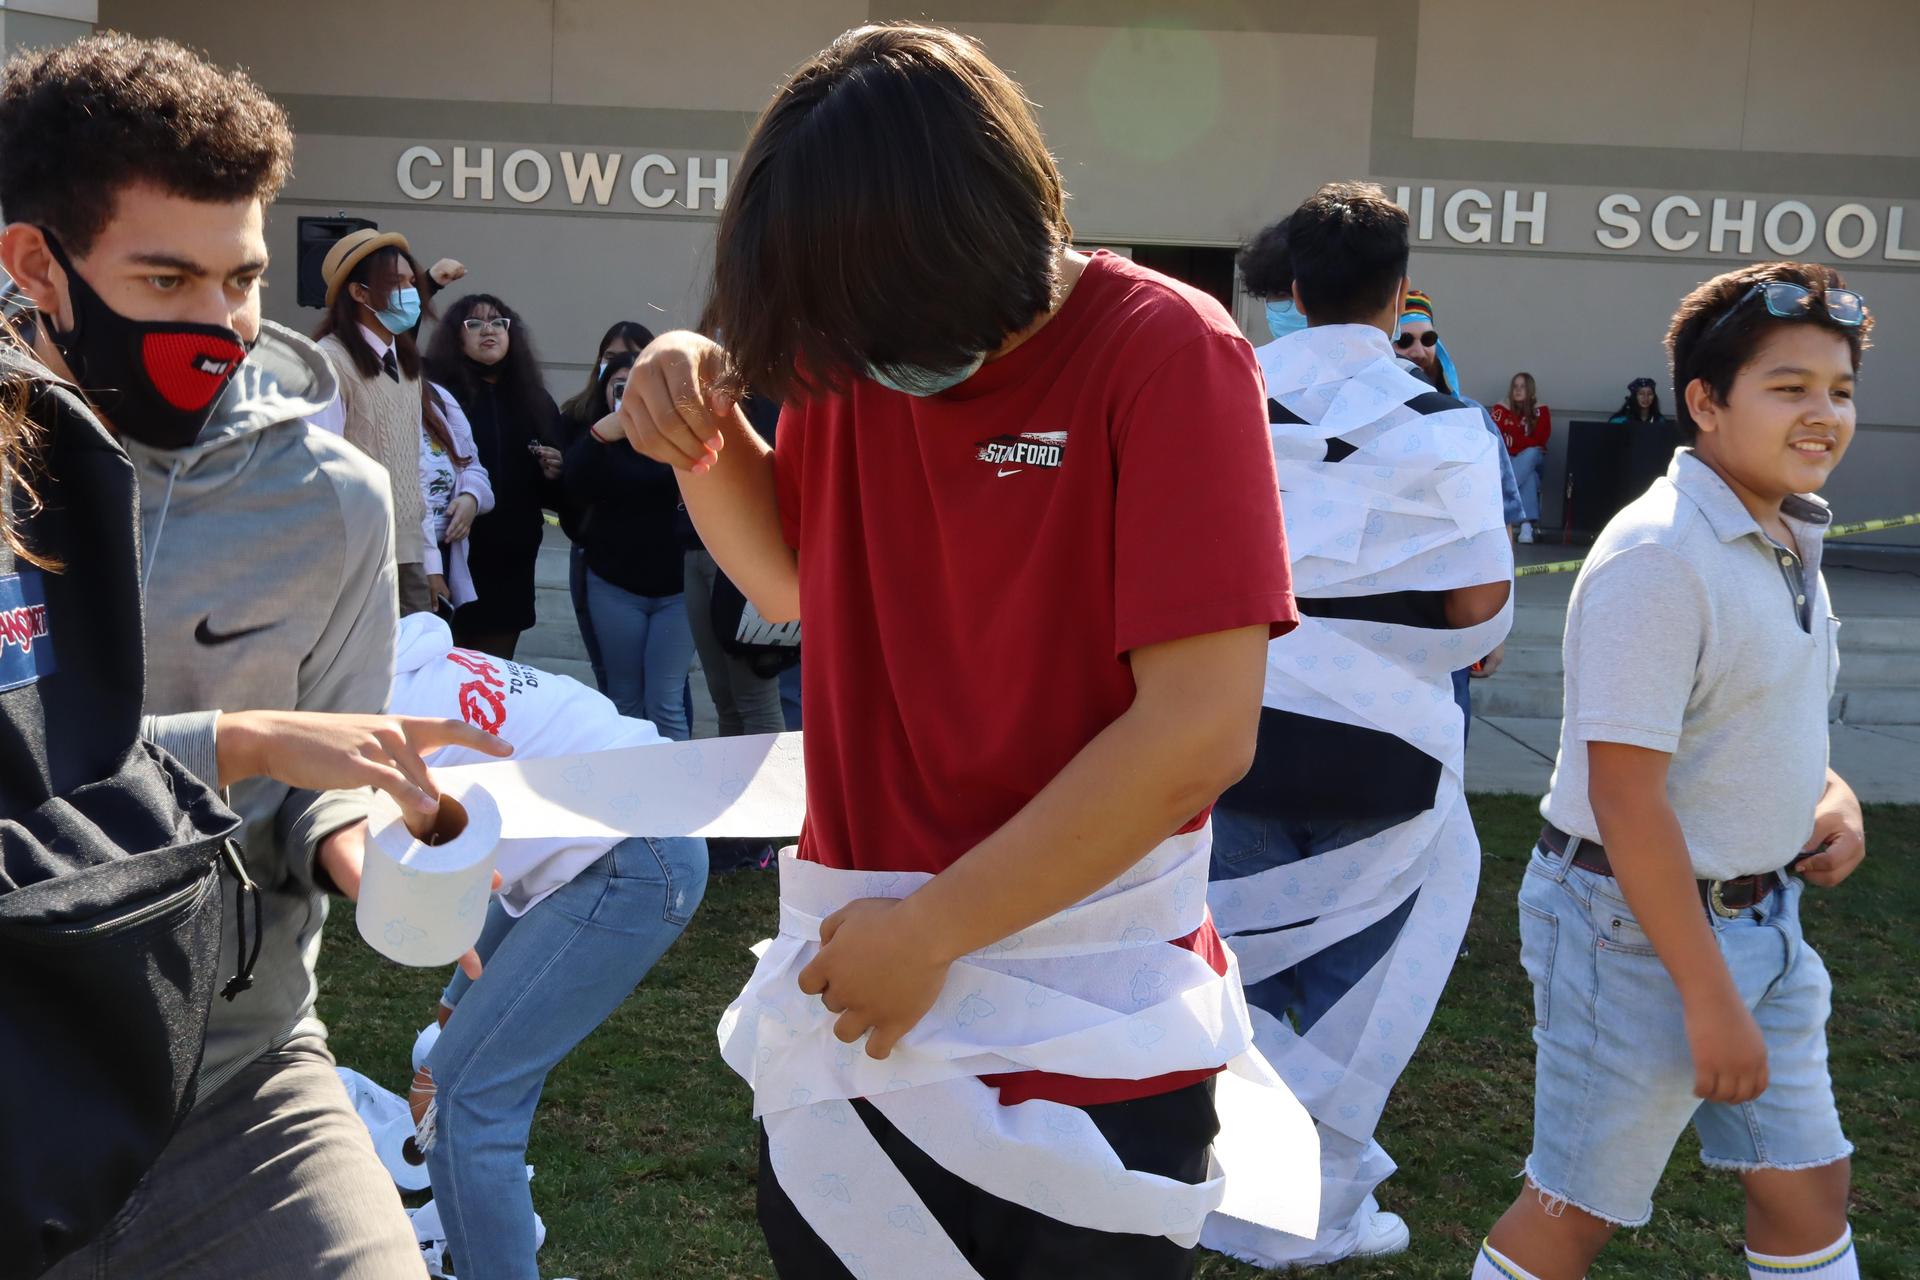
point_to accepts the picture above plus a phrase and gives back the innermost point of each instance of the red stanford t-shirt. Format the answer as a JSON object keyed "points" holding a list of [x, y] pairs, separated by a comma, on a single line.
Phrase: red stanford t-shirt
{"points": [[975, 567]]}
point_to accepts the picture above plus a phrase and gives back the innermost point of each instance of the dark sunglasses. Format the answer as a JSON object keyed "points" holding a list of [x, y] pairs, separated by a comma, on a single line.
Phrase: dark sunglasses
{"points": [[1789, 301], [1406, 340]]}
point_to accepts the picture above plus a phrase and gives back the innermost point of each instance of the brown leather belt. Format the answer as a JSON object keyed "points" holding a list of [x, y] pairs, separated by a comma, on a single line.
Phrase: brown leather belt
{"points": [[1725, 898]]}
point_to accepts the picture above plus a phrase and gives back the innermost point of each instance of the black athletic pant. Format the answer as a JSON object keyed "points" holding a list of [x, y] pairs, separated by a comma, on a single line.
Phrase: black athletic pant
{"points": [[1169, 1135]]}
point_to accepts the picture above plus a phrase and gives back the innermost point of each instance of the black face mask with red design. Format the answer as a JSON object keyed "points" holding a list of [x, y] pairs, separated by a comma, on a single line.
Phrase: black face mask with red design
{"points": [[157, 381]]}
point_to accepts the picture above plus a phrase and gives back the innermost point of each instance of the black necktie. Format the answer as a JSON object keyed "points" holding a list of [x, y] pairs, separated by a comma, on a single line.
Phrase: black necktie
{"points": [[390, 366]]}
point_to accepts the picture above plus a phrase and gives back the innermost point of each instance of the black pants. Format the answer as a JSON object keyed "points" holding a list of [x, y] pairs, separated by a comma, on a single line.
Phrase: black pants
{"points": [[1168, 1135]]}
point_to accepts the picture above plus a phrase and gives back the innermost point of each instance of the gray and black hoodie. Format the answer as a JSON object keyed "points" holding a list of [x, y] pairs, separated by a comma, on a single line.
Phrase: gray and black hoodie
{"points": [[267, 563]]}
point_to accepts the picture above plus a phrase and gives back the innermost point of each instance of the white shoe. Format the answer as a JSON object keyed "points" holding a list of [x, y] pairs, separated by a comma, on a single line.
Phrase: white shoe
{"points": [[1526, 531], [1383, 1234]]}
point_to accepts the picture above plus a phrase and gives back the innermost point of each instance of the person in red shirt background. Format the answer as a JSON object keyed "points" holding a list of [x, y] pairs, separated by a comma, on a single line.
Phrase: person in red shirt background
{"points": [[1025, 500], [1525, 424]]}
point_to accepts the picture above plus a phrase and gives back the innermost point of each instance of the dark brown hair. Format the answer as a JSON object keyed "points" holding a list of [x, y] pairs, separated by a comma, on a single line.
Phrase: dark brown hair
{"points": [[580, 407], [1345, 250], [895, 205], [81, 121], [19, 464], [1698, 349], [343, 318], [517, 375]]}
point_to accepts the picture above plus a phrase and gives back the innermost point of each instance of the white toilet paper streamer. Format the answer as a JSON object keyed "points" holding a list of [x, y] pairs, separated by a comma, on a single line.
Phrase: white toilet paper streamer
{"points": [[425, 905], [1416, 506]]}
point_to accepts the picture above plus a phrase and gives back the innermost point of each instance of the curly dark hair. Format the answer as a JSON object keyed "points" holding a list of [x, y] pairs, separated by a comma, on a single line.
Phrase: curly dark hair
{"points": [[518, 374], [1700, 347], [79, 122]]}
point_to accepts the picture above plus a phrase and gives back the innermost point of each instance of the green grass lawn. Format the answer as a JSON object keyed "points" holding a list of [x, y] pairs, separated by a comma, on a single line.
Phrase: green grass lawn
{"points": [[645, 1147]]}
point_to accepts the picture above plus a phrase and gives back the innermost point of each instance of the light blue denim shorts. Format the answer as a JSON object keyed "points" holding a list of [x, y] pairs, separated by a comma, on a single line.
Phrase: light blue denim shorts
{"points": [[1613, 1077]]}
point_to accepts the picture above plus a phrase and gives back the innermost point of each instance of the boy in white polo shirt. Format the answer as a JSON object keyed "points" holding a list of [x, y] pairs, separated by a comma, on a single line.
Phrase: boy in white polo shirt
{"points": [[1659, 922]]}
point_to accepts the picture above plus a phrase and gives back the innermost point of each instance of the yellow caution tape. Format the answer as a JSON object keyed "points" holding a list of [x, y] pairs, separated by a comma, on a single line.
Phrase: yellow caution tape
{"points": [[1833, 531], [1871, 526], [1557, 566]]}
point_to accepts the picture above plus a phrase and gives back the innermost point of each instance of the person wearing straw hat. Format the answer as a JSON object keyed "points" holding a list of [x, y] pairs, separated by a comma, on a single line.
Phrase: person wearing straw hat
{"points": [[374, 303]]}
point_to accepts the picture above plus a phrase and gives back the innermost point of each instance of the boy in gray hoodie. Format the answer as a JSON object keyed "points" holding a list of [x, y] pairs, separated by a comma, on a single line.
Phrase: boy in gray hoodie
{"points": [[134, 178]]}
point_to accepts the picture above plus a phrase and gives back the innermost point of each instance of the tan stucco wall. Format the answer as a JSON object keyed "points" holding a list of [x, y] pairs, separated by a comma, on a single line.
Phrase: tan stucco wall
{"points": [[1176, 121]]}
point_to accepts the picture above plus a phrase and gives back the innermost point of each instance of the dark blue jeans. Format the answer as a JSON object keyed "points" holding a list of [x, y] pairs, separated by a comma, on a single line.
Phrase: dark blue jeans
{"points": [[1244, 844]]}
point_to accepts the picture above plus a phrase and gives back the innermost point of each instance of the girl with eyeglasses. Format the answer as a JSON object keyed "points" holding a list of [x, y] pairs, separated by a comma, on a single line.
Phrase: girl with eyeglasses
{"points": [[483, 354]]}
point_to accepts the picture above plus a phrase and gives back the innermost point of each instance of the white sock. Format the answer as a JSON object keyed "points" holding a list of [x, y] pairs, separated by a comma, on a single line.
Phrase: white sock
{"points": [[1837, 1261], [1491, 1264]]}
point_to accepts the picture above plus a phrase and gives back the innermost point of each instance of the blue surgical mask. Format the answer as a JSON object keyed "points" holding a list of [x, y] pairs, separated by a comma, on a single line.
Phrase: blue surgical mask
{"points": [[1284, 318], [402, 311], [913, 380]]}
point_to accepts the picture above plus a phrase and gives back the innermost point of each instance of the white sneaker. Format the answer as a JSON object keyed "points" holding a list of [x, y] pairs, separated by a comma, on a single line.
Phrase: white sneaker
{"points": [[1526, 531], [1383, 1234]]}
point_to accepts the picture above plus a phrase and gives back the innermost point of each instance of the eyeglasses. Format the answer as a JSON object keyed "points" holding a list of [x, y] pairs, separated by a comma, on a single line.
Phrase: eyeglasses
{"points": [[501, 323], [1406, 340], [1789, 301]]}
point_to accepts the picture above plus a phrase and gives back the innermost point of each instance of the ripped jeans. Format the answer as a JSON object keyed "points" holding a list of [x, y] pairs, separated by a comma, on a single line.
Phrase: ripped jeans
{"points": [[1613, 1076]]}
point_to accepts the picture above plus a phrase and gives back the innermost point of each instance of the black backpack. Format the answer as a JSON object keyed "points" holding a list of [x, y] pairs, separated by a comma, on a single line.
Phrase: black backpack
{"points": [[111, 859]]}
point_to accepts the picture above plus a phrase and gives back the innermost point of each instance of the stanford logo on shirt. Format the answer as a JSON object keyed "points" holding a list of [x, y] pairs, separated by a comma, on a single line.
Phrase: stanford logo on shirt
{"points": [[1009, 454]]}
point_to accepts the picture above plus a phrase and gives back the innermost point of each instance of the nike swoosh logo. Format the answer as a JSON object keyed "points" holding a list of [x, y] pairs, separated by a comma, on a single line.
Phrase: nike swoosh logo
{"points": [[206, 635], [1010, 471]]}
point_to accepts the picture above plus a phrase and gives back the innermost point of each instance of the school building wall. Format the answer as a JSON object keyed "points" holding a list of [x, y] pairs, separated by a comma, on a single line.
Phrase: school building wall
{"points": [[1572, 167]]}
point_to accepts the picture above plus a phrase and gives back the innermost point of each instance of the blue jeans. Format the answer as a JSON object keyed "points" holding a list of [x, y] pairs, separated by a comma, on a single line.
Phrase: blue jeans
{"points": [[648, 650], [1244, 844], [1526, 473], [577, 591], [552, 976], [1613, 1074]]}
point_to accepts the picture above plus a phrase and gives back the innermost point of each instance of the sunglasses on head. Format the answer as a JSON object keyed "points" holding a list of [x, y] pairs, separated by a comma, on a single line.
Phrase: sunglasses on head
{"points": [[1406, 340], [1789, 301]]}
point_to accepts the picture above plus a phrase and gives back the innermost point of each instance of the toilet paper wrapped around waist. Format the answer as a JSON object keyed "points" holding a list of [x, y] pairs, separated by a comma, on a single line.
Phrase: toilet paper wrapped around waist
{"points": [[424, 902]]}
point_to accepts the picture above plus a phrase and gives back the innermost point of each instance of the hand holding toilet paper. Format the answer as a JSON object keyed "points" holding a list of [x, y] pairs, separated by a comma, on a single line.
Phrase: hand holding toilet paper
{"points": [[424, 902]]}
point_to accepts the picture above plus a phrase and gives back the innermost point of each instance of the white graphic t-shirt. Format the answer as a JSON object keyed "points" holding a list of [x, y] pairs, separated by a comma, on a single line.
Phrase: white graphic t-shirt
{"points": [[540, 713]]}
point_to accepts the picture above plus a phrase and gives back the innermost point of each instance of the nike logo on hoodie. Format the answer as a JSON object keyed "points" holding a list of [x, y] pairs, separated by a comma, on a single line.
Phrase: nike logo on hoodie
{"points": [[206, 635]]}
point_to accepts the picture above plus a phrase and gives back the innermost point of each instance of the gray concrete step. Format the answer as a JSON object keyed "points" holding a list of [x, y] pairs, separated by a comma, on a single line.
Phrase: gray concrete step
{"points": [[1878, 705]]}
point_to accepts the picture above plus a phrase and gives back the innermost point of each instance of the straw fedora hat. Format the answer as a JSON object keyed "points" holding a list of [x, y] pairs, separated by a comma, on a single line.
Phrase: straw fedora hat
{"points": [[350, 250]]}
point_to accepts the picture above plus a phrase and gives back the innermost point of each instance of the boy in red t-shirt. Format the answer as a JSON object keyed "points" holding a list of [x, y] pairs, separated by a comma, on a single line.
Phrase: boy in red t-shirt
{"points": [[1025, 501]]}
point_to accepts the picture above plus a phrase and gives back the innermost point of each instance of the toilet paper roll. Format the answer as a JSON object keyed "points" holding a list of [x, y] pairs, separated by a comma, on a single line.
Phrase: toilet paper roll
{"points": [[424, 904], [390, 1125]]}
